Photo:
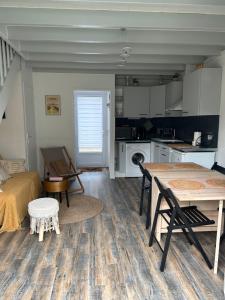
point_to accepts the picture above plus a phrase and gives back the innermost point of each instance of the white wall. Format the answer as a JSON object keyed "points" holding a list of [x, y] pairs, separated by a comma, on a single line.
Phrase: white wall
{"points": [[12, 131], [59, 130], [219, 61]]}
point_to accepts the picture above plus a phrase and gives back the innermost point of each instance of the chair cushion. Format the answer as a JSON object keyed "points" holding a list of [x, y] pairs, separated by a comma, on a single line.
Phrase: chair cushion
{"points": [[61, 168]]}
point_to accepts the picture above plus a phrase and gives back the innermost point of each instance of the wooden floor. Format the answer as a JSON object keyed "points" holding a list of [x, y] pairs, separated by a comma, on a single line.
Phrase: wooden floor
{"points": [[106, 257]]}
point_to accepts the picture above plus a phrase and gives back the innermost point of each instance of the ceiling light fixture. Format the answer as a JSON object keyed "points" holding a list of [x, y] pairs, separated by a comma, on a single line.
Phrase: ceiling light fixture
{"points": [[126, 51]]}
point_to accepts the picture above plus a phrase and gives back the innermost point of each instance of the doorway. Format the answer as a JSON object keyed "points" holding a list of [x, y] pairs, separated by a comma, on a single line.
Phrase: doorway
{"points": [[91, 128]]}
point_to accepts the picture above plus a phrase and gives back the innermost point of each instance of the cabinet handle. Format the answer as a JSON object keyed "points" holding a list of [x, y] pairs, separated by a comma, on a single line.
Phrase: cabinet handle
{"points": [[163, 154], [164, 148], [143, 114], [158, 114], [185, 112]]}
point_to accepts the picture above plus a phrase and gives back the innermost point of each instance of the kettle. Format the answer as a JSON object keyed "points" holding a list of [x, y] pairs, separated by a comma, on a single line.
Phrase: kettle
{"points": [[207, 139], [197, 138]]}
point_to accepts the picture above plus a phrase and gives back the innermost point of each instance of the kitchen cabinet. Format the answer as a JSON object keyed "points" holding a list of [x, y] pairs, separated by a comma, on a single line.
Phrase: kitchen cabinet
{"points": [[160, 153], [157, 101], [205, 159], [201, 92], [155, 152], [164, 154], [136, 102]]}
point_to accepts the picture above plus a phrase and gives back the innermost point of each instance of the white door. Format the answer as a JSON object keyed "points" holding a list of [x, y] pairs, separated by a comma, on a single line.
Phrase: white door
{"points": [[91, 128]]}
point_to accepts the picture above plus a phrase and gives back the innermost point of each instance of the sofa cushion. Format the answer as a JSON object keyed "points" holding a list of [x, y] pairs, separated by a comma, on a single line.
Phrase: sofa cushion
{"points": [[18, 191], [3, 175], [13, 166]]}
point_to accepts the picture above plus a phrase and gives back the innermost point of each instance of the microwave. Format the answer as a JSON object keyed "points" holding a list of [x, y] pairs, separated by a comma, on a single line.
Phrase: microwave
{"points": [[123, 133]]}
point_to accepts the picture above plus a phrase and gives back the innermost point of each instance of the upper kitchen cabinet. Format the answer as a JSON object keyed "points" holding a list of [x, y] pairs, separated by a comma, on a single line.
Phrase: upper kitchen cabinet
{"points": [[136, 102], [157, 101], [174, 93], [201, 92]]}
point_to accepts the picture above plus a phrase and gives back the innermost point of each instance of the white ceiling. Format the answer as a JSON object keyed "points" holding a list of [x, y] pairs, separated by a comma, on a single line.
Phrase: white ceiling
{"points": [[88, 36]]}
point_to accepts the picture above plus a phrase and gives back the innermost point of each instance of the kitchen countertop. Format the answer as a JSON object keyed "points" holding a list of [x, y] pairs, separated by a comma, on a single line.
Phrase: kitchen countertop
{"points": [[178, 146], [133, 141], [185, 147]]}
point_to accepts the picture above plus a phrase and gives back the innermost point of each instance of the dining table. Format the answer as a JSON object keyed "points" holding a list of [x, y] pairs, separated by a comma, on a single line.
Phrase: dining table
{"points": [[190, 183]]}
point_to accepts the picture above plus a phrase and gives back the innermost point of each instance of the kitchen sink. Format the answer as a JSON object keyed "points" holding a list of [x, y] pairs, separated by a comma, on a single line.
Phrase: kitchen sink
{"points": [[164, 140]]}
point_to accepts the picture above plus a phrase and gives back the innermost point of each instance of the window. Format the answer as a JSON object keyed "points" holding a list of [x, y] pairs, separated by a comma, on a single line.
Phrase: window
{"points": [[90, 124]]}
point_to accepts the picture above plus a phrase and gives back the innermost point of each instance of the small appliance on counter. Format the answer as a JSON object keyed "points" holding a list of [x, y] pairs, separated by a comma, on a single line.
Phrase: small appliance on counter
{"points": [[197, 138], [207, 139], [124, 133]]}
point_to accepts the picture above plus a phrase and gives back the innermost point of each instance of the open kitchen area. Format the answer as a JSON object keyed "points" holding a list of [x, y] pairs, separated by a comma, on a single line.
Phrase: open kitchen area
{"points": [[167, 119], [112, 157], [166, 136]]}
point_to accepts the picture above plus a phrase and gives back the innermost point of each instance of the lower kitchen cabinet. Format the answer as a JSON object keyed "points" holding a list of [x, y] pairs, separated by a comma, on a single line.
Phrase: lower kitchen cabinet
{"points": [[164, 154], [160, 153], [205, 159]]}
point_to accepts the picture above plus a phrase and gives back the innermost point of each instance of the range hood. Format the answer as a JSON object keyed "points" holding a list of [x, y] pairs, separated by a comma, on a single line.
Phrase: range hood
{"points": [[176, 106]]}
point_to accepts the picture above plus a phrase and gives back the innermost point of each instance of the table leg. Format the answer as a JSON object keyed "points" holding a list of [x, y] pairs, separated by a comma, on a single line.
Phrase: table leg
{"points": [[155, 194], [67, 199], [218, 234]]}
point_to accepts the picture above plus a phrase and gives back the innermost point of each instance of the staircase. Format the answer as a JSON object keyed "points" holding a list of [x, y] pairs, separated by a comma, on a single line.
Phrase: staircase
{"points": [[7, 54]]}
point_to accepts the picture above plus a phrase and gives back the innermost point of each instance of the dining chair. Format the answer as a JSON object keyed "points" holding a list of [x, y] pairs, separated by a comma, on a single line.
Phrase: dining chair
{"points": [[218, 168], [145, 187], [221, 170], [184, 218]]}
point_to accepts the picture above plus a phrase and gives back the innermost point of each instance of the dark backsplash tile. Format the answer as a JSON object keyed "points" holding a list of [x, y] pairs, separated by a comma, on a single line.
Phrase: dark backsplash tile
{"points": [[184, 126]]}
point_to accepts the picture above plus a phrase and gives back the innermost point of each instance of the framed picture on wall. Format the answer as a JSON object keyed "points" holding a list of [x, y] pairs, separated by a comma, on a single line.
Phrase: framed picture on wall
{"points": [[52, 105]]}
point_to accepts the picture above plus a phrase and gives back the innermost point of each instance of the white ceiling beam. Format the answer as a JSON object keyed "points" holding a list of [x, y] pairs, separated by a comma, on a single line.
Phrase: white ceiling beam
{"points": [[157, 68], [195, 7], [151, 59], [49, 69], [76, 35], [109, 49], [106, 19]]}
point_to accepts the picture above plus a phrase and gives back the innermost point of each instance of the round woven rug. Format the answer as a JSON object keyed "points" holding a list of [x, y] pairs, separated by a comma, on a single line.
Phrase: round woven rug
{"points": [[82, 207]]}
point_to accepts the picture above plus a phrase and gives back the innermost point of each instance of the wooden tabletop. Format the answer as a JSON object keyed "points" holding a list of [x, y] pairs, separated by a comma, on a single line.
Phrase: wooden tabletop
{"points": [[187, 166], [194, 186]]}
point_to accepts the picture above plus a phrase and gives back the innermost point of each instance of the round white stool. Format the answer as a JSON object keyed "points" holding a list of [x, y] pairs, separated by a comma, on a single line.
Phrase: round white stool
{"points": [[44, 216]]}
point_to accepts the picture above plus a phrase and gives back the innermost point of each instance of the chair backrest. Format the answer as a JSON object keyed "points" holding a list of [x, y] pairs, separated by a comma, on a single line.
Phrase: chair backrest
{"points": [[57, 161], [218, 168], [144, 171], [167, 194]]}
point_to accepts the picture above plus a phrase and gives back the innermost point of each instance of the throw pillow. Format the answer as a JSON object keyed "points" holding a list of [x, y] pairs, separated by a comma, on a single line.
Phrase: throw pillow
{"points": [[13, 166], [3, 175]]}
